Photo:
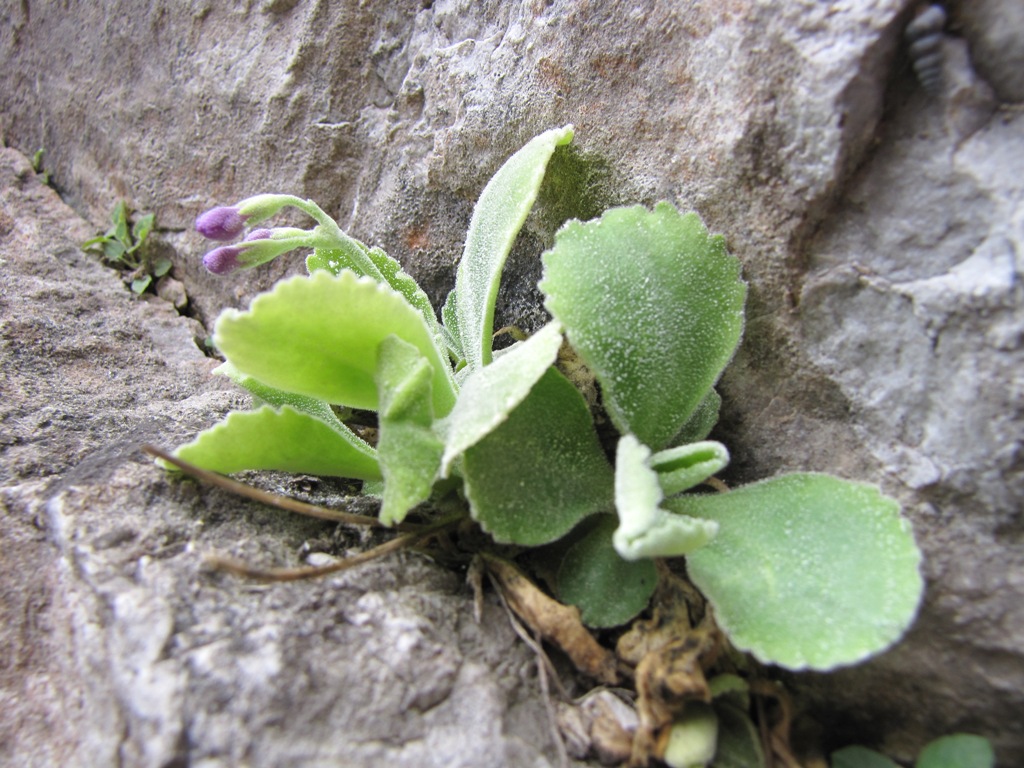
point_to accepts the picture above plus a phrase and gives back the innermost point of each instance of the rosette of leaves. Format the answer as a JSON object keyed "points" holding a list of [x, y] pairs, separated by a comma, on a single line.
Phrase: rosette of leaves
{"points": [[803, 570], [124, 244]]}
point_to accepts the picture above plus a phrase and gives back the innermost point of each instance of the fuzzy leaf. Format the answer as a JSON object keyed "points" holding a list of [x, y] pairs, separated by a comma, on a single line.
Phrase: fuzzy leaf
{"points": [[408, 449], [532, 479], [161, 266], [701, 421], [450, 328], [497, 218], [319, 336], [278, 398], [685, 466], [645, 529], [489, 394], [334, 260], [283, 439], [608, 590], [653, 305], [142, 228], [957, 750], [807, 570]]}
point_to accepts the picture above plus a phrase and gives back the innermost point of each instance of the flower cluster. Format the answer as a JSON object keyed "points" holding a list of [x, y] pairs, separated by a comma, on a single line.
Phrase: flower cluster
{"points": [[225, 223]]}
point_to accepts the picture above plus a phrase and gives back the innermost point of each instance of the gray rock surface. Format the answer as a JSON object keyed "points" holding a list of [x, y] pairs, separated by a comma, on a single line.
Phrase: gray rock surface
{"points": [[118, 649], [881, 231]]}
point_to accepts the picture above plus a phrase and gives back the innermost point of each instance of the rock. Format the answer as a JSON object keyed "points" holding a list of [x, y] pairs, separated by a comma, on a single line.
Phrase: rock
{"points": [[169, 289], [118, 648], [992, 30], [879, 228]]}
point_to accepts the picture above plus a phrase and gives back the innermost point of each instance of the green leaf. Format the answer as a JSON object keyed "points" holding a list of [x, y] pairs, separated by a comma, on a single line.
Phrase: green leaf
{"points": [[278, 398], [693, 737], [283, 439], [653, 305], [959, 750], [685, 466], [701, 421], [162, 266], [334, 260], [92, 242], [807, 570], [319, 336], [450, 328], [645, 529], [140, 284], [408, 449], [489, 394], [860, 757], [532, 479], [739, 743], [113, 250], [497, 218], [119, 223], [608, 590], [728, 684], [142, 228]]}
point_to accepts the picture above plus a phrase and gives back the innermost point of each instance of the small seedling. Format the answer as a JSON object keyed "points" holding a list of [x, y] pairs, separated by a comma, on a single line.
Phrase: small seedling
{"points": [[124, 244], [39, 168], [805, 570]]}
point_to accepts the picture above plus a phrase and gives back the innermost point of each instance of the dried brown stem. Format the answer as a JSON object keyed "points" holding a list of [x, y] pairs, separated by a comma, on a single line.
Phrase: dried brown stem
{"points": [[405, 541], [266, 497], [241, 568]]}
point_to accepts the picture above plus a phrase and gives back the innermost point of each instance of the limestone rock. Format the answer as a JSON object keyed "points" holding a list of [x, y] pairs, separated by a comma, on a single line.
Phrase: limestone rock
{"points": [[118, 649]]}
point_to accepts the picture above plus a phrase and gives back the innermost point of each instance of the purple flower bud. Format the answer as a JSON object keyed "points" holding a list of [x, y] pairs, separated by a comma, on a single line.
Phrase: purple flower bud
{"points": [[221, 261], [224, 223]]}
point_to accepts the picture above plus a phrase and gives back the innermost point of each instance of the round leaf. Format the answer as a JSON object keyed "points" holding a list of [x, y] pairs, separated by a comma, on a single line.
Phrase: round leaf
{"points": [[956, 751], [532, 479], [608, 590], [807, 570], [653, 305]]}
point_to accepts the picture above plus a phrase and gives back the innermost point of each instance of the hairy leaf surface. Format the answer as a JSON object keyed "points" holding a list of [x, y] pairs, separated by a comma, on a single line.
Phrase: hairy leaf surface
{"points": [[334, 261], [701, 421], [278, 398], [645, 529], [408, 449], [532, 479], [497, 218], [653, 305], [282, 439], [319, 335], [807, 570], [685, 466], [608, 590], [489, 394]]}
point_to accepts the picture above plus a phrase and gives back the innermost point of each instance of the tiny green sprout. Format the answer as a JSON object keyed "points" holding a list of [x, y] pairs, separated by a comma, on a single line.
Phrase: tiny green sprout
{"points": [[806, 571], [124, 244], [39, 168]]}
